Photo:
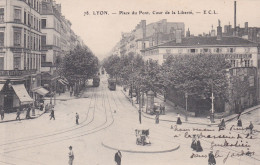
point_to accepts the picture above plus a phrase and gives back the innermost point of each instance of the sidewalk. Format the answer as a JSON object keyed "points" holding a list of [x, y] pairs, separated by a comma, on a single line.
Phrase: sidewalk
{"points": [[9, 117], [171, 112], [63, 97]]}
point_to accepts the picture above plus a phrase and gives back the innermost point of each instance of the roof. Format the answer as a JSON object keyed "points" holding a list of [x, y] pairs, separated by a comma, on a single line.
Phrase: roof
{"points": [[208, 41]]}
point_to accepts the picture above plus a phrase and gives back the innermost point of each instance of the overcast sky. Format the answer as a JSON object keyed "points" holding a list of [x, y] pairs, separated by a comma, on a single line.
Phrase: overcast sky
{"points": [[102, 32]]}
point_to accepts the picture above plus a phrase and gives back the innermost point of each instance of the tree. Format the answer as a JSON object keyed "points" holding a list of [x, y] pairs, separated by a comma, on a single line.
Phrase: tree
{"points": [[79, 63], [197, 75]]}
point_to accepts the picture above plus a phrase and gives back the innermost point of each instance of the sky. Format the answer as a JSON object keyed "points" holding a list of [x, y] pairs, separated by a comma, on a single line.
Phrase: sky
{"points": [[101, 32]]}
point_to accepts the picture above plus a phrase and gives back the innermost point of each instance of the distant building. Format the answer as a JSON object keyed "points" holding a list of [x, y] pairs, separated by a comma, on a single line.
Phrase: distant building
{"points": [[241, 53], [144, 36]]}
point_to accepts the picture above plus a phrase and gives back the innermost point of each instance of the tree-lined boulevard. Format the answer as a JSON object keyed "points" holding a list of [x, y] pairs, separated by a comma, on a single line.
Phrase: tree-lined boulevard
{"points": [[108, 121]]}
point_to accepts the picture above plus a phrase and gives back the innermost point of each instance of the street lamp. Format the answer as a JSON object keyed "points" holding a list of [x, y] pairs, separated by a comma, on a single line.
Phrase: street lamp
{"points": [[186, 97]]}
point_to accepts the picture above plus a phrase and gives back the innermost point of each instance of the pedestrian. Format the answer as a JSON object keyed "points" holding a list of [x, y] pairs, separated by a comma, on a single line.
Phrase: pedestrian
{"points": [[2, 111], [28, 113], [52, 114], [77, 118], [47, 107], [157, 118], [71, 91], [238, 116], [118, 157], [41, 106], [18, 112], [178, 119], [222, 124], [71, 156], [211, 160], [198, 145], [194, 142], [239, 123], [250, 127]]}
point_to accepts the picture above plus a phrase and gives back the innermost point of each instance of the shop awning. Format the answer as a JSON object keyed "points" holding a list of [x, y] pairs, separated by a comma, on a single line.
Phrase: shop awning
{"points": [[41, 91], [1, 86], [64, 82], [60, 81], [22, 94]]}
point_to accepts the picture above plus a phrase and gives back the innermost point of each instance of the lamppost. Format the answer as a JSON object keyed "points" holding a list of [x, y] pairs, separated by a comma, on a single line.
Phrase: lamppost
{"points": [[186, 114], [132, 86], [32, 85], [140, 106]]}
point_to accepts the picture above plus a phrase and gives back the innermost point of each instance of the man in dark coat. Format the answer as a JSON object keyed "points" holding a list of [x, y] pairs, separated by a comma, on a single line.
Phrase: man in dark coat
{"points": [[18, 114], [52, 114], [77, 118], [211, 159], [28, 113], [118, 157], [2, 113]]}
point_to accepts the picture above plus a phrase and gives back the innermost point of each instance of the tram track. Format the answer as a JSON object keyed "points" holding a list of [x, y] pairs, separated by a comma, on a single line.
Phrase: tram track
{"points": [[100, 127], [62, 131]]}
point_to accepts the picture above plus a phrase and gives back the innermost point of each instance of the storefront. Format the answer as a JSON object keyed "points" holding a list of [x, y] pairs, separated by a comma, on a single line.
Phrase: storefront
{"points": [[14, 95]]}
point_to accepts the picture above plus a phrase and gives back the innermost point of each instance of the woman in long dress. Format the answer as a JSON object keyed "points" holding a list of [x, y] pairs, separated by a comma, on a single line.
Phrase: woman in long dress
{"points": [[211, 160], [198, 146], [179, 119], [194, 142]]}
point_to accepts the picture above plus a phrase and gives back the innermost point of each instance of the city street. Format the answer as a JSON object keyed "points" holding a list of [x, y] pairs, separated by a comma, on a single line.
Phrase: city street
{"points": [[108, 120]]}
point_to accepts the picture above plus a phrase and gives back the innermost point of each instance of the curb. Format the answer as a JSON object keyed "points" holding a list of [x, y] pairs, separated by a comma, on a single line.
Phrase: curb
{"points": [[146, 152], [208, 124], [31, 118]]}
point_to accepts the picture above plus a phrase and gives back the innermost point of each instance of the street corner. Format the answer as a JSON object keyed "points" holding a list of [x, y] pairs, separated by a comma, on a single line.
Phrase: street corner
{"points": [[128, 143]]}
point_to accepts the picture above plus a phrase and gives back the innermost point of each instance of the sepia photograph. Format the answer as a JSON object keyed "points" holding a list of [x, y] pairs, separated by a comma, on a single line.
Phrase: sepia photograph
{"points": [[129, 82]]}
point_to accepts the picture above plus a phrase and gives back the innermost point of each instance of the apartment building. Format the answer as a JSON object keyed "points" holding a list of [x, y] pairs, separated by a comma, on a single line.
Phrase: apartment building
{"points": [[20, 52]]}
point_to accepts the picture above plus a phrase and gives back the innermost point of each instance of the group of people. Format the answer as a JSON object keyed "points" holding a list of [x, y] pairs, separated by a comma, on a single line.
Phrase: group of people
{"points": [[195, 144]]}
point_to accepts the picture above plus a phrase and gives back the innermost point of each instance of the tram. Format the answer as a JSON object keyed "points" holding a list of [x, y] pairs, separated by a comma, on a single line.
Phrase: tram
{"points": [[112, 84], [96, 81]]}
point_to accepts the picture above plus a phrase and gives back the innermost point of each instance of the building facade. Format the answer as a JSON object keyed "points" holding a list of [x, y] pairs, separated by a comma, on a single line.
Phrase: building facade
{"points": [[20, 56], [34, 36]]}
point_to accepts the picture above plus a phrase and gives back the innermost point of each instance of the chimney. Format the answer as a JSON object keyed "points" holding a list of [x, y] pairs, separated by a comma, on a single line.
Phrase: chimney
{"points": [[178, 36], [219, 31], [213, 32], [235, 17], [143, 26], [246, 27], [188, 33]]}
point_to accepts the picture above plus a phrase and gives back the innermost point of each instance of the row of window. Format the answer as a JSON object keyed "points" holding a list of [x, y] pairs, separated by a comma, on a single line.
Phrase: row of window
{"points": [[29, 19], [241, 63], [31, 40], [31, 61], [34, 4]]}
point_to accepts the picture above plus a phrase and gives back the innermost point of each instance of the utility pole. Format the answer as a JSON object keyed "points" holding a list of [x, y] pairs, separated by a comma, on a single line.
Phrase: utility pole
{"points": [[186, 114], [132, 84], [140, 106], [212, 103]]}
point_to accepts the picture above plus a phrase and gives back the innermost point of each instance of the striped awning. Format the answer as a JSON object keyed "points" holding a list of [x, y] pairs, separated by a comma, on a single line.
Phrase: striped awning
{"points": [[1, 86], [22, 94], [41, 91]]}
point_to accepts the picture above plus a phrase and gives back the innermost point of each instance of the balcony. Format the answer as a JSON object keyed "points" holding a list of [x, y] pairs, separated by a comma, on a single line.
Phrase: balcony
{"points": [[17, 72]]}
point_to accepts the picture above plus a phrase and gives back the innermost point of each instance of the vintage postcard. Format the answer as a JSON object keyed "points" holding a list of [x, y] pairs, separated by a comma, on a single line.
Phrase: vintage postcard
{"points": [[129, 82]]}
